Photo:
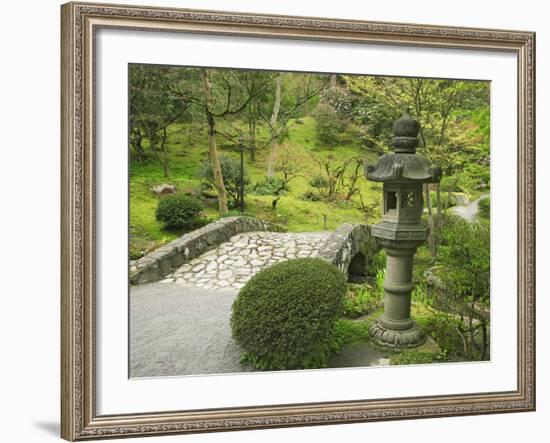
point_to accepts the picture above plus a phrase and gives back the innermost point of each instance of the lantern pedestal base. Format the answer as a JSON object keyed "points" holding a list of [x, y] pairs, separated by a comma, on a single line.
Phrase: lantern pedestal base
{"points": [[408, 338]]}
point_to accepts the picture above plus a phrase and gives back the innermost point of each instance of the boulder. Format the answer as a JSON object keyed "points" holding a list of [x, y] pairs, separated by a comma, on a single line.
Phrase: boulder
{"points": [[164, 189]]}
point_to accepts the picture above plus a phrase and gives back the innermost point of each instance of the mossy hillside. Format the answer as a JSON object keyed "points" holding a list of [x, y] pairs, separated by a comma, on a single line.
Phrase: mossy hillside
{"points": [[187, 149]]}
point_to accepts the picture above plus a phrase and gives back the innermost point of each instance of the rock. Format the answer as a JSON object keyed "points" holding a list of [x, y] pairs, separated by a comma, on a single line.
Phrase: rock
{"points": [[164, 189], [225, 275], [240, 262]]}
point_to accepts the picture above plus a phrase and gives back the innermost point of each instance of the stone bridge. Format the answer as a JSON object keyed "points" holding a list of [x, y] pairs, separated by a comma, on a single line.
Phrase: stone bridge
{"points": [[227, 253], [350, 248]]}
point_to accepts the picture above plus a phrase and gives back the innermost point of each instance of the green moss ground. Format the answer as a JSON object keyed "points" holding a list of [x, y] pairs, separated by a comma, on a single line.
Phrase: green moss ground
{"points": [[187, 148]]}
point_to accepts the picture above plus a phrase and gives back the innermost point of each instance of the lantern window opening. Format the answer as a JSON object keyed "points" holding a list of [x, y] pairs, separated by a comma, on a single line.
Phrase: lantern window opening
{"points": [[408, 199], [391, 201]]}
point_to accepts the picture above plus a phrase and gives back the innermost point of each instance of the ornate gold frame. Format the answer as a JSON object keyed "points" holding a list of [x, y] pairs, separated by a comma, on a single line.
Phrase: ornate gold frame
{"points": [[79, 420]]}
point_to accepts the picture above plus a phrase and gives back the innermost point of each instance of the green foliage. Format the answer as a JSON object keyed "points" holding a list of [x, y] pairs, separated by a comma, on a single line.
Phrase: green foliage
{"points": [[139, 245], [465, 256], [284, 316], [420, 295], [360, 300], [178, 211], [443, 328], [448, 200], [377, 265], [311, 195], [380, 277], [463, 270], [231, 173], [318, 181], [152, 109], [328, 124], [269, 186], [340, 100], [475, 176], [349, 331], [417, 358], [484, 208], [450, 183], [453, 116]]}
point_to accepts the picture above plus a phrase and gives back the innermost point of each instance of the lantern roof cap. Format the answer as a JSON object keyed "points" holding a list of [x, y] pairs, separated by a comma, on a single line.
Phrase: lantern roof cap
{"points": [[409, 168], [404, 165]]}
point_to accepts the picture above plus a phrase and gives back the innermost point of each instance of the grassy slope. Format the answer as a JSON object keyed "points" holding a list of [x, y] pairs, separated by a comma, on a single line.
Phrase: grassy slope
{"points": [[187, 148]]}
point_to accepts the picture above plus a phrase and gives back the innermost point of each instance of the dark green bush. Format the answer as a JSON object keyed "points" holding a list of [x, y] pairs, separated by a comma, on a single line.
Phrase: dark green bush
{"points": [[451, 184], [284, 316], [328, 124], [447, 200], [231, 173], [318, 181], [178, 211], [269, 186], [311, 196]]}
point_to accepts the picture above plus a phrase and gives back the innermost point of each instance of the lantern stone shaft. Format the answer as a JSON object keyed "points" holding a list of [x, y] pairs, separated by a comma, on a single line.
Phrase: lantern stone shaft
{"points": [[401, 231]]}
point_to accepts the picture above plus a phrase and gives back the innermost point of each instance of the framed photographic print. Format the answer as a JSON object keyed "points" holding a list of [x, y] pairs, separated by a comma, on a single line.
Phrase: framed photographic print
{"points": [[282, 221]]}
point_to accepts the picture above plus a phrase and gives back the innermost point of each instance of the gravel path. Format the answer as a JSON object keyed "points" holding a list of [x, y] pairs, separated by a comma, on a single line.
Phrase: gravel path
{"points": [[177, 330]]}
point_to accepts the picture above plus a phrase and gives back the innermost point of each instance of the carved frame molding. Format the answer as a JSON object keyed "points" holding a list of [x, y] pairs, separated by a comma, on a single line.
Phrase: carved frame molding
{"points": [[79, 23]]}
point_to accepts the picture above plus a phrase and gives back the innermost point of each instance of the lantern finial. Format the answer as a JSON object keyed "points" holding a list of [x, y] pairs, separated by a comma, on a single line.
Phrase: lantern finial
{"points": [[405, 135]]}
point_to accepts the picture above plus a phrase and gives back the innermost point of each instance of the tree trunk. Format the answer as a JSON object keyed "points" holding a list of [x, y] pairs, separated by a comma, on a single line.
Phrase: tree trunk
{"points": [[272, 126], [135, 142], [152, 136], [252, 138], [164, 153], [212, 147]]}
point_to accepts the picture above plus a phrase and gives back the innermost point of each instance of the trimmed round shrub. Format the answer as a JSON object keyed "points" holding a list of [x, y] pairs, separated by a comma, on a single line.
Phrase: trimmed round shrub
{"points": [[178, 211], [284, 316]]}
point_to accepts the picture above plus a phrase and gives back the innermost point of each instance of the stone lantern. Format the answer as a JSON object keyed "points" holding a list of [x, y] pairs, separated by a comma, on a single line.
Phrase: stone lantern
{"points": [[401, 231]]}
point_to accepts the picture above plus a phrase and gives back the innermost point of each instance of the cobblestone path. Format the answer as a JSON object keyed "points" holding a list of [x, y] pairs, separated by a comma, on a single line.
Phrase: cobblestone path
{"points": [[233, 263]]}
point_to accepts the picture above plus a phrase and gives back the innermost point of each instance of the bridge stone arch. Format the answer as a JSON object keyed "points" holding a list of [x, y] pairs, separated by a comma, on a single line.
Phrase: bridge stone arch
{"points": [[350, 248]]}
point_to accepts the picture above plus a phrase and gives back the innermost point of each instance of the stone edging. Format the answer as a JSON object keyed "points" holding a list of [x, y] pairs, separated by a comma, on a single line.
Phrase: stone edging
{"points": [[155, 265]]}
